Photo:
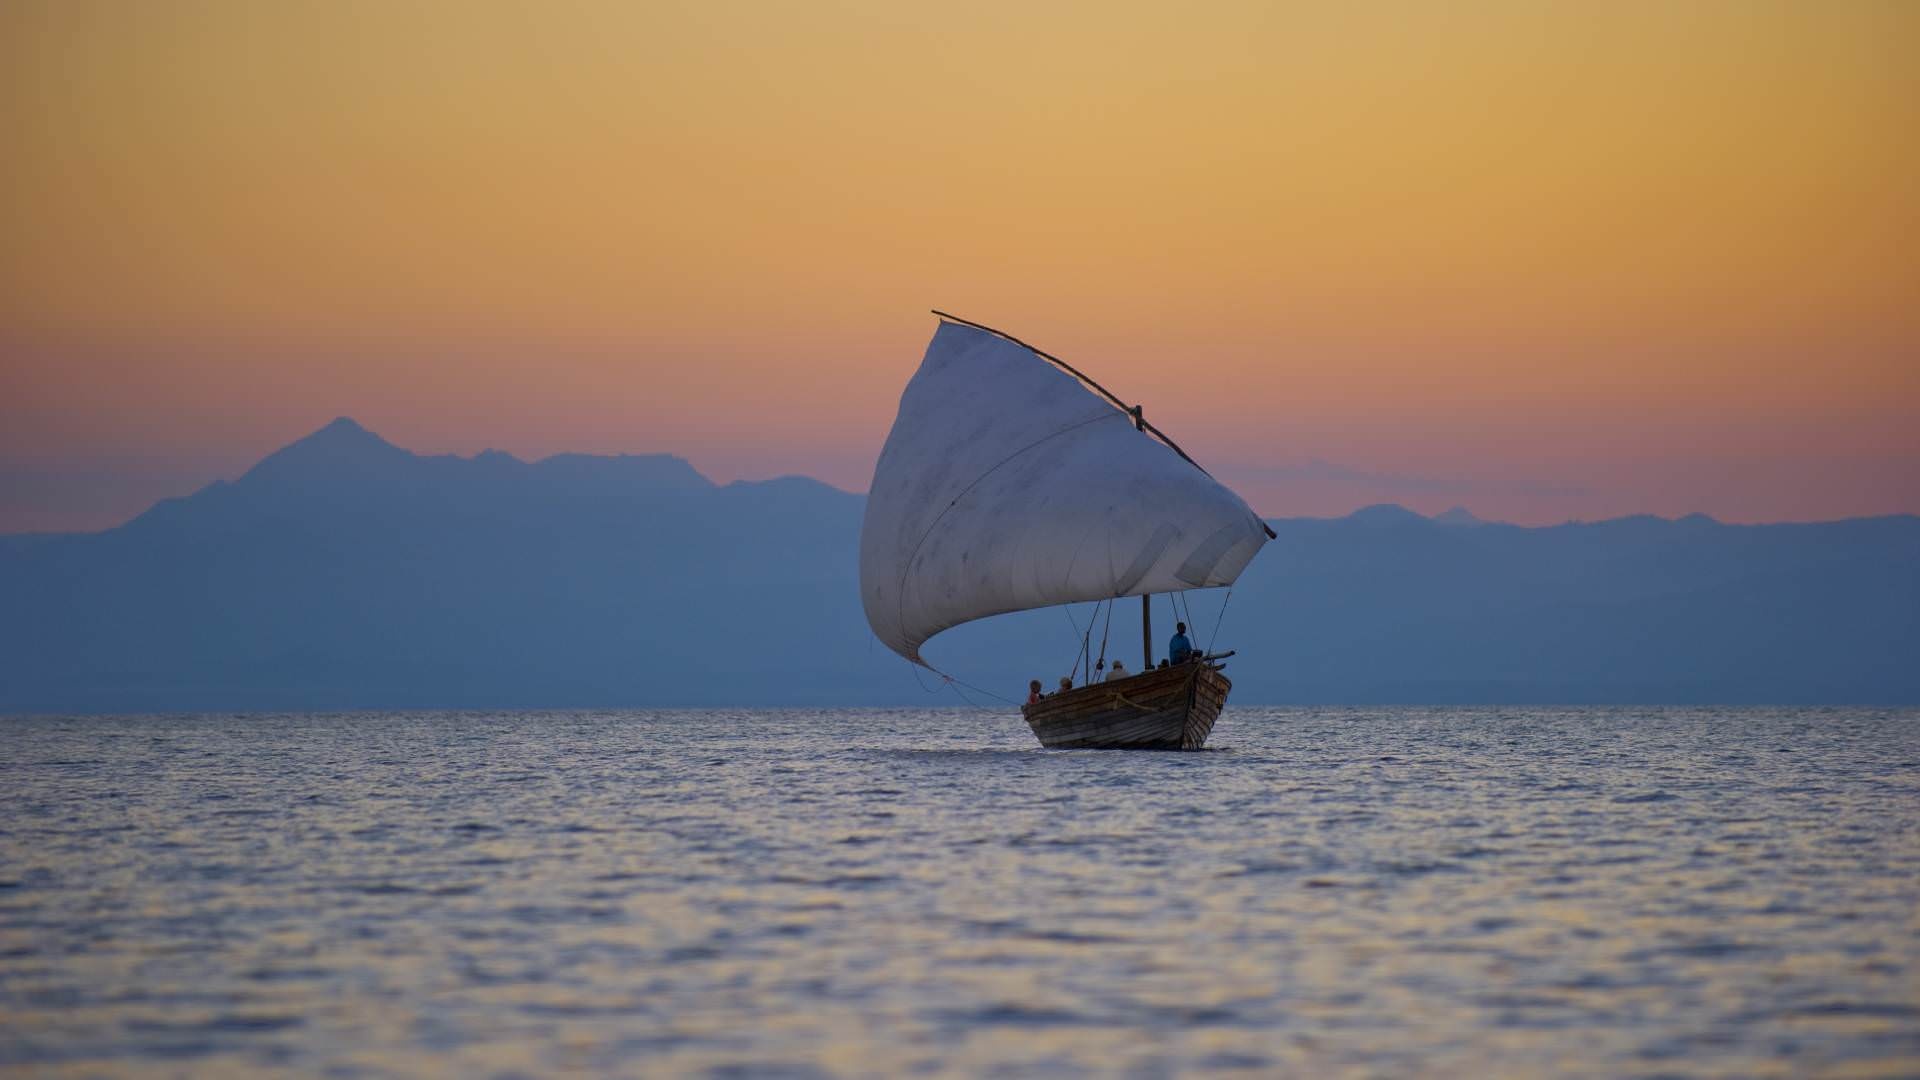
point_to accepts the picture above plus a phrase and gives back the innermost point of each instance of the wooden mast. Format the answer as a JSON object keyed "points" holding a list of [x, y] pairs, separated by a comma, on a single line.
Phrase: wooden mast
{"points": [[1146, 599], [1146, 632]]}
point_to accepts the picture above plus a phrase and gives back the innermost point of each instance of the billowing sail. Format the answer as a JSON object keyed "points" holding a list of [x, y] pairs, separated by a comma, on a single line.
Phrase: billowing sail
{"points": [[1007, 484]]}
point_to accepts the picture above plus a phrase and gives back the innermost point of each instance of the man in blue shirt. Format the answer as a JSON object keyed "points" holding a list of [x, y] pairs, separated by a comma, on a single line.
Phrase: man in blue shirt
{"points": [[1179, 649]]}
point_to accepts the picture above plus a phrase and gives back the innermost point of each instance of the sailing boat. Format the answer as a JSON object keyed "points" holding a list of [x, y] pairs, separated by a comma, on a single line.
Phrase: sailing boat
{"points": [[1012, 481]]}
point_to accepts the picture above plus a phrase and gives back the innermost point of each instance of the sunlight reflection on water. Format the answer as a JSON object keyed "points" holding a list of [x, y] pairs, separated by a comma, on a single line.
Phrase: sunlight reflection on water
{"points": [[882, 892]]}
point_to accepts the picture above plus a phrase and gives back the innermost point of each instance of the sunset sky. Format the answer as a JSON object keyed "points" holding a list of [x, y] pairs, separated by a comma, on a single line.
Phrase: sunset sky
{"points": [[1546, 260]]}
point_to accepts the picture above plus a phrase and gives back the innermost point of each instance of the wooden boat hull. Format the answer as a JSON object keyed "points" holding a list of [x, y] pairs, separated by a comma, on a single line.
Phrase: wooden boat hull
{"points": [[1165, 709]]}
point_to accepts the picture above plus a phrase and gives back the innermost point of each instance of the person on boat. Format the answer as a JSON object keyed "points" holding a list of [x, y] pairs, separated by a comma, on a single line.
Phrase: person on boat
{"points": [[1033, 691], [1119, 671], [1066, 683], [1179, 649]]}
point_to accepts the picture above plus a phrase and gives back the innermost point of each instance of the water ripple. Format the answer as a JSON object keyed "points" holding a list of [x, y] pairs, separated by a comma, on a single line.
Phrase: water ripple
{"points": [[883, 893]]}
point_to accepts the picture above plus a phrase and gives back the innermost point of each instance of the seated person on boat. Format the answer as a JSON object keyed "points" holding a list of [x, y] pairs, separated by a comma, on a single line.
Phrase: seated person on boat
{"points": [[1119, 671]]}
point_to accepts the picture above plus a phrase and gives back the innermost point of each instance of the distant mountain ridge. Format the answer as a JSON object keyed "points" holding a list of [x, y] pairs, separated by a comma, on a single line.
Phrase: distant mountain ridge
{"points": [[345, 452], [343, 572]]}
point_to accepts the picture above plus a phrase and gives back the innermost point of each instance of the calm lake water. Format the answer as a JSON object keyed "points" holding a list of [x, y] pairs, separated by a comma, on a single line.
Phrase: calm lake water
{"points": [[1366, 891]]}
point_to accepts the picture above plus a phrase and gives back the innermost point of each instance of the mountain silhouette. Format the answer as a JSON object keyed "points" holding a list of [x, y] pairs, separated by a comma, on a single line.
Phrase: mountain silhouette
{"points": [[343, 572]]}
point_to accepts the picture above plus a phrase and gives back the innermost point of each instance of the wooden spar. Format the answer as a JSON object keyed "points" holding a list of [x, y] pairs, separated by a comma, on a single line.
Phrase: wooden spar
{"points": [[1082, 376], [1146, 599], [1139, 421], [1146, 632]]}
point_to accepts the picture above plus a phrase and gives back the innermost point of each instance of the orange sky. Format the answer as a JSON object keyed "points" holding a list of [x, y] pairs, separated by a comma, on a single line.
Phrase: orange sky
{"points": [[1547, 260]]}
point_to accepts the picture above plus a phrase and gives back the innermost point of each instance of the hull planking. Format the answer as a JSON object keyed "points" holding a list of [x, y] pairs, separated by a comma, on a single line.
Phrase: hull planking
{"points": [[1165, 709]]}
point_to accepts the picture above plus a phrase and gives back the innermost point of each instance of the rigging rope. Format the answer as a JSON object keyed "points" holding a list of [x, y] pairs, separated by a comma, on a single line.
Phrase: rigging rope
{"points": [[1096, 614], [978, 690], [1067, 610], [964, 699], [954, 685], [1086, 647], [1217, 620], [1103, 634]]}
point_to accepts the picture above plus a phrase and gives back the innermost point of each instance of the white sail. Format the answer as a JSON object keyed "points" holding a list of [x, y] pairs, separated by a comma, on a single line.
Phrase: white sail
{"points": [[1007, 484]]}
